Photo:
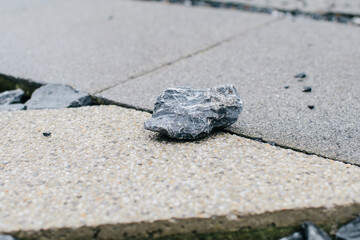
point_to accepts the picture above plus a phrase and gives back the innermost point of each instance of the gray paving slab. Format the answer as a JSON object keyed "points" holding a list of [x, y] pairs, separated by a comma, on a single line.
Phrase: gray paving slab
{"points": [[260, 63], [18, 6], [311, 6], [100, 173], [91, 46], [345, 6]]}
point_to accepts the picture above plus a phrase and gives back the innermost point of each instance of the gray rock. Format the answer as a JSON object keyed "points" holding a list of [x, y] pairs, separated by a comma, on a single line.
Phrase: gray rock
{"points": [[13, 96], [309, 231], [186, 113], [12, 107], [6, 237], [294, 236], [57, 96], [350, 231], [300, 75], [306, 89]]}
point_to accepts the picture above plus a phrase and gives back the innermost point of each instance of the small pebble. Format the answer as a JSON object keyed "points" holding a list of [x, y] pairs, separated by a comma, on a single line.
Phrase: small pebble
{"points": [[356, 20], [187, 3], [6, 237], [46, 134], [286, 87], [311, 106], [343, 19], [300, 75], [306, 89]]}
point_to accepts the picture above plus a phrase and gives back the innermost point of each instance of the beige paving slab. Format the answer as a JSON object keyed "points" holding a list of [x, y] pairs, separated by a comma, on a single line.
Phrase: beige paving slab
{"points": [[100, 173]]}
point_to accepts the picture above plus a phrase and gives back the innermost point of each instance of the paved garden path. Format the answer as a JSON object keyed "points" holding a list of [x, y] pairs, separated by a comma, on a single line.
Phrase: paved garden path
{"points": [[100, 174]]}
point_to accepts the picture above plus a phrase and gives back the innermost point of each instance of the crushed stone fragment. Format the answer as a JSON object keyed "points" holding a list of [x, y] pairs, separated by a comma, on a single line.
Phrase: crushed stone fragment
{"points": [[46, 134], [6, 237], [307, 89], [54, 96], [10, 97], [309, 231], [300, 75], [186, 113], [356, 20], [350, 231], [12, 107]]}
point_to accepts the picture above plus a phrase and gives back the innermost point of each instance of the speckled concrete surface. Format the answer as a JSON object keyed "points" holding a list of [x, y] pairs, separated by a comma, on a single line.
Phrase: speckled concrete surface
{"points": [[99, 166]]}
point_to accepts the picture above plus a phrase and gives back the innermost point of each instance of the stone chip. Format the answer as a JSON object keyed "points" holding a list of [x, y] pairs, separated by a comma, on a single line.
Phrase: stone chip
{"points": [[12, 107], [6, 237], [13, 96], [52, 96], [186, 113]]}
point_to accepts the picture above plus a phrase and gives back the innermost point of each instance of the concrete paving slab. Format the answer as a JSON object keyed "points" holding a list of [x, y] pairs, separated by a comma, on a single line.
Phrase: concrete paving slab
{"points": [[310, 6], [101, 174], [345, 7], [18, 6], [260, 64], [91, 46]]}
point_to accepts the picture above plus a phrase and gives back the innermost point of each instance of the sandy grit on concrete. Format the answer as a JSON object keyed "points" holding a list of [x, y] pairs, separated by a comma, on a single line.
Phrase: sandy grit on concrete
{"points": [[101, 174]]}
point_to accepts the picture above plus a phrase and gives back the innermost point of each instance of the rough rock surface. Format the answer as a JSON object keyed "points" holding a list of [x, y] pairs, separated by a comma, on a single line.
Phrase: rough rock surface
{"points": [[57, 96], [186, 113], [13, 96], [6, 237], [309, 231], [350, 231], [12, 107]]}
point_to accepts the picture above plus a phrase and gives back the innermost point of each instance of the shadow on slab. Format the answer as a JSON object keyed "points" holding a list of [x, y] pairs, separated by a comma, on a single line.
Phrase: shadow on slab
{"points": [[162, 138]]}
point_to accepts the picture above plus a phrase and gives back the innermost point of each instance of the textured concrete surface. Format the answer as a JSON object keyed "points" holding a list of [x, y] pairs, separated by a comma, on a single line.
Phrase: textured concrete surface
{"points": [[18, 6], [260, 64], [91, 46], [100, 171], [313, 6]]}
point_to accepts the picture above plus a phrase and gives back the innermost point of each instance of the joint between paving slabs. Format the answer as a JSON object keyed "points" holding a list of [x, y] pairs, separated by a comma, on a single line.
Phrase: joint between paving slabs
{"points": [[104, 101], [9, 83], [29, 86], [195, 53], [325, 15], [272, 143]]}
